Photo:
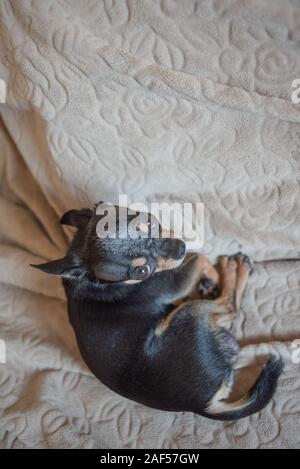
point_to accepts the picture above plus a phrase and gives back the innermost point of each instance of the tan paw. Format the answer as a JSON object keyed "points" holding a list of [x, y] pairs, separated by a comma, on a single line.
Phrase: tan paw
{"points": [[244, 262]]}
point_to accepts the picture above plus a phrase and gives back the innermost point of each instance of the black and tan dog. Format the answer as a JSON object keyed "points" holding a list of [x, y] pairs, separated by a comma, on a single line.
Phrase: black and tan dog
{"points": [[123, 297]]}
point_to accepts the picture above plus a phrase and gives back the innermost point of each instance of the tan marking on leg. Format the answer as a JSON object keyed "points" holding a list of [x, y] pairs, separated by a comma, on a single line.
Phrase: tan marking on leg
{"points": [[223, 393], [218, 402], [206, 268], [243, 272], [234, 276], [228, 270], [220, 406], [190, 290], [165, 323], [222, 319], [202, 266]]}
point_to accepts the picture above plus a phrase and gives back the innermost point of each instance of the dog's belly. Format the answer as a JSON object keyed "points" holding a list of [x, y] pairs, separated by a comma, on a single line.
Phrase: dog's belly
{"points": [[175, 368], [166, 373], [113, 353]]}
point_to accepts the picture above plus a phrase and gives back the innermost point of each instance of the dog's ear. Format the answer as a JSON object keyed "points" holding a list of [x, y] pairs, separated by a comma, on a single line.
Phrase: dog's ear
{"points": [[65, 267], [77, 218]]}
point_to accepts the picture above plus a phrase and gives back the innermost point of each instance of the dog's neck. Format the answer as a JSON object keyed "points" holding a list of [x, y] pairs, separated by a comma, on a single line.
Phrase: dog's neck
{"points": [[91, 289]]}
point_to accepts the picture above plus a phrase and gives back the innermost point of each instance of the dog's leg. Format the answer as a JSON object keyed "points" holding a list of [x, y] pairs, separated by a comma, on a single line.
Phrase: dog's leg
{"points": [[234, 271], [208, 271], [228, 274], [183, 281], [244, 269], [186, 278], [208, 287]]}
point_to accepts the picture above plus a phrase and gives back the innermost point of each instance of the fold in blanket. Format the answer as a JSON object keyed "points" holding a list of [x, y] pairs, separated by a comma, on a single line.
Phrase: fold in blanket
{"points": [[170, 100]]}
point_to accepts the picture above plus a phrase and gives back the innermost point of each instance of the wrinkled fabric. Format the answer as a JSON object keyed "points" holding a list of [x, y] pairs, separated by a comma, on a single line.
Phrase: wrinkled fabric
{"points": [[162, 100]]}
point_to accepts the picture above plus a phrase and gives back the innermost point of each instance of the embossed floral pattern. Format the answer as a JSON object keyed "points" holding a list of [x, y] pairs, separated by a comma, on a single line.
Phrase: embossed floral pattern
{"points": [[165, 100]]}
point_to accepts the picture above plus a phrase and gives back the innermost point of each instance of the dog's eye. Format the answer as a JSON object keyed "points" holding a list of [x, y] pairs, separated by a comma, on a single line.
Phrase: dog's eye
{"points": [[142, 272]]}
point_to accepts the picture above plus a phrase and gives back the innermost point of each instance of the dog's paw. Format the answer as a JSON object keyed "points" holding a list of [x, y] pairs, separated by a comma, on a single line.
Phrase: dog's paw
{"points": [[208, 289], [244, 262]]}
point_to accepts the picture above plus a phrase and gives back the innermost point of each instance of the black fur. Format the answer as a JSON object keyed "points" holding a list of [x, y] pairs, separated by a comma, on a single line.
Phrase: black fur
{"points": [[116, 325]]}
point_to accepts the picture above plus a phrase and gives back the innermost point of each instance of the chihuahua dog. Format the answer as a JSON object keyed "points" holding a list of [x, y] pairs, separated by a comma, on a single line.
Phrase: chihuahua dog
{"points": [[140, 333]]}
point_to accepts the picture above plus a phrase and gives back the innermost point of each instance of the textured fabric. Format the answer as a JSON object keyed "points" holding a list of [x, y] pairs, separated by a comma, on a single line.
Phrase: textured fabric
{"points": [[162, 100]]}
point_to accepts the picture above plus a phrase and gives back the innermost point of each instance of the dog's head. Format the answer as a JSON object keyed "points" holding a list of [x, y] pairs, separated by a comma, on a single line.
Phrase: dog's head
{"points": [[117, 258]]}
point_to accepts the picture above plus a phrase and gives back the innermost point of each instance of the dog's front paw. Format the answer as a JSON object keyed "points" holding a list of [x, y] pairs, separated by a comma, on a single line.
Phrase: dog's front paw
{"points": [[208, 289], [244, 262]]}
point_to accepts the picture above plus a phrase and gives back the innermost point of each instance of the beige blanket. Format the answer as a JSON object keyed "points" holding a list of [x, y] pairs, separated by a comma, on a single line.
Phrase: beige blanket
{"points": [[162, 100]]}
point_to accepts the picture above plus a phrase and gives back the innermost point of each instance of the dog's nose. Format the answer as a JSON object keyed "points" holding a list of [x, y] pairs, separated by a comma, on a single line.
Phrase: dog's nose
{"points": [[180, 249]]}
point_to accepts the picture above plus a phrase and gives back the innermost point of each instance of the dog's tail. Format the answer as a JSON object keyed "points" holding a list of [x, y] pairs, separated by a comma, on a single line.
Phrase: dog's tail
{"points": [[256, 399]]}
